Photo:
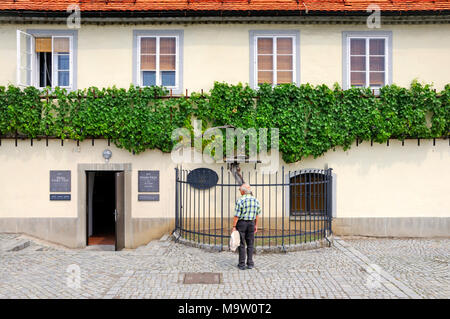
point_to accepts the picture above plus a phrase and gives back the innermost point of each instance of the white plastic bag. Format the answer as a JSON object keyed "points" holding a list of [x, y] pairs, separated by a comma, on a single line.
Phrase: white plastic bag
{"points": [[235, 240]]}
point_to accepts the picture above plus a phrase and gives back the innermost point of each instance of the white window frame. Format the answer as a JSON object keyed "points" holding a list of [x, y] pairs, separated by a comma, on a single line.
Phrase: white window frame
{"points": [[158, 80], [388, 55], [274, 58], [35, 61], [367, 57], [32, 66], [55, 67]]}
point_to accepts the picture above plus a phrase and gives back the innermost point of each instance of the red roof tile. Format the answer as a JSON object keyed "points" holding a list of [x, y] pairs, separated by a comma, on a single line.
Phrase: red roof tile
{"points": [[226, 5]]}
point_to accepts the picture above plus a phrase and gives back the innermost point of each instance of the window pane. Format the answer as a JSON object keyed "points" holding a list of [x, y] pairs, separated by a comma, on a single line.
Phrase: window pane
{"points": [[376, 78], [284, 45], [284, 62], [148, 78], [168, 78], [376, 47], [63, 78], [167, 46], [63, 62], [284, 77], [148, 45], [358, 78], [61, 45], [265, 77], [148, 62], [357, 63], [167, 62], [265, 46], [357, 46], [265, 62], [376, 63]]}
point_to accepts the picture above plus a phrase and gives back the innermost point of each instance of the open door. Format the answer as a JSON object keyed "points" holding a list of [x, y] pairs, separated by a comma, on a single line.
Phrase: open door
{"points": [[120, 211]]}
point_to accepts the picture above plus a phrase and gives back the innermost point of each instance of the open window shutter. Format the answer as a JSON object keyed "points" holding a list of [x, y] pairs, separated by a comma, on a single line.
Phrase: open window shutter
{"points": [[25, 61]]}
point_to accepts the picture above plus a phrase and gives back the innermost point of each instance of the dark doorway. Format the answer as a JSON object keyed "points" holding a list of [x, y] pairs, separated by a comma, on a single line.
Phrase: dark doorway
{"points": [[101, 197]]}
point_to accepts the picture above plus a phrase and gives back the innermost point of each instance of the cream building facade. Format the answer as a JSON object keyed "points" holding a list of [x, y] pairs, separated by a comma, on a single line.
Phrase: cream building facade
{"points": [[380, 190], [221, 52]]}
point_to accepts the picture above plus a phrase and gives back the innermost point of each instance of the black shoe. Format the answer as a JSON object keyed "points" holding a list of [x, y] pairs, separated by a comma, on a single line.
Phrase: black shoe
{"points": [[250, 266], [241, 267]]}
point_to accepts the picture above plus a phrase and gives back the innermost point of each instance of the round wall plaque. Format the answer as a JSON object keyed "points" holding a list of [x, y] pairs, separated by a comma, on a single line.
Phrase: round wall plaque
{"points": [[202, 178]]}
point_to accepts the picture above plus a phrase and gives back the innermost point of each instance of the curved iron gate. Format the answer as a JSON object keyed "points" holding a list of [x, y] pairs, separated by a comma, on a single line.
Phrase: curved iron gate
{"points": [[296, 207]]}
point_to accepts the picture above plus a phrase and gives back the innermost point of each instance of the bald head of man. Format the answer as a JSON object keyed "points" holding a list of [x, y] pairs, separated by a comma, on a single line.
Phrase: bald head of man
{"points": [[245, 189]]}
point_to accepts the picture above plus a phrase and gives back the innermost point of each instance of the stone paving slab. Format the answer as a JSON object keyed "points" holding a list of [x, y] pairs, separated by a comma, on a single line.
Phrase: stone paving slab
{"points": [[351, 268]]}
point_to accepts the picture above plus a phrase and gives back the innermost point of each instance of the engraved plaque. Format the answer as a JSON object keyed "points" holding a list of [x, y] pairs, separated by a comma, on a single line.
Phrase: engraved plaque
{"points": [[148, 181], [148, 197], [60, 181], [60, 196], [202, 178]]}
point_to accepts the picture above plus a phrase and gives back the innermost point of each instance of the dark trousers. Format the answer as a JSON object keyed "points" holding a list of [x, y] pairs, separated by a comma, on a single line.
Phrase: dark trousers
{"points": [[246, 229]]}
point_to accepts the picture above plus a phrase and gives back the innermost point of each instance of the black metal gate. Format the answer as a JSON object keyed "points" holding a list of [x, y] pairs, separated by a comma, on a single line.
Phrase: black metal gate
{"points": [[296, 208]]}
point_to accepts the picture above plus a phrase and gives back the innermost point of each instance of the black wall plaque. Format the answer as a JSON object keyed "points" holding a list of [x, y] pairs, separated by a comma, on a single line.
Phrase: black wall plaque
{"points": [[60, 196], [202, 178], [148, 181], [148, 197], [60, 181]]}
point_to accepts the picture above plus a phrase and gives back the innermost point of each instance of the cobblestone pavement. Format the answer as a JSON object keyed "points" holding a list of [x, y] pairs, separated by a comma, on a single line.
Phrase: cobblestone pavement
{"points": [[352, 268], [424, 267]]}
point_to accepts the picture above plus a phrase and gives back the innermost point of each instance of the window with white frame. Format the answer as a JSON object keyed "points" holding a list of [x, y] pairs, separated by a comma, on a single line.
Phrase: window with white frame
{"points": [[274, 59], [367, 61], [158, 62], [45, 60]]}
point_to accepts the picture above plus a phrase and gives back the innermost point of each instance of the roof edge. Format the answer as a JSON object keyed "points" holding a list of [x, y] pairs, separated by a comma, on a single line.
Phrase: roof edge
{"points": [[96, 17]]}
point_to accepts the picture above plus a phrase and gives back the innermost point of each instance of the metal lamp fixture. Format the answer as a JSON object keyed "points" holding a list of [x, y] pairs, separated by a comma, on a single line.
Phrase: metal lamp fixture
{"points": [[107, 154]]}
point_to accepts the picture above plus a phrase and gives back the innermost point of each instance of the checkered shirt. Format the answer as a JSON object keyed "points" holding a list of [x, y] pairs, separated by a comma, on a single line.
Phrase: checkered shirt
{"points": [[247, 207]]}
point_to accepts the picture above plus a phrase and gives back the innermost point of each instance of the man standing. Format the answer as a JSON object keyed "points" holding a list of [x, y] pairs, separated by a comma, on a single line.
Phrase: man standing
{"points": [[246, 222]]}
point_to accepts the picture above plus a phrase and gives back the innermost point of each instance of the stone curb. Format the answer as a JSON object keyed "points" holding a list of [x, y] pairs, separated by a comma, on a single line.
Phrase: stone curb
{"points": [[15, 245]]}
